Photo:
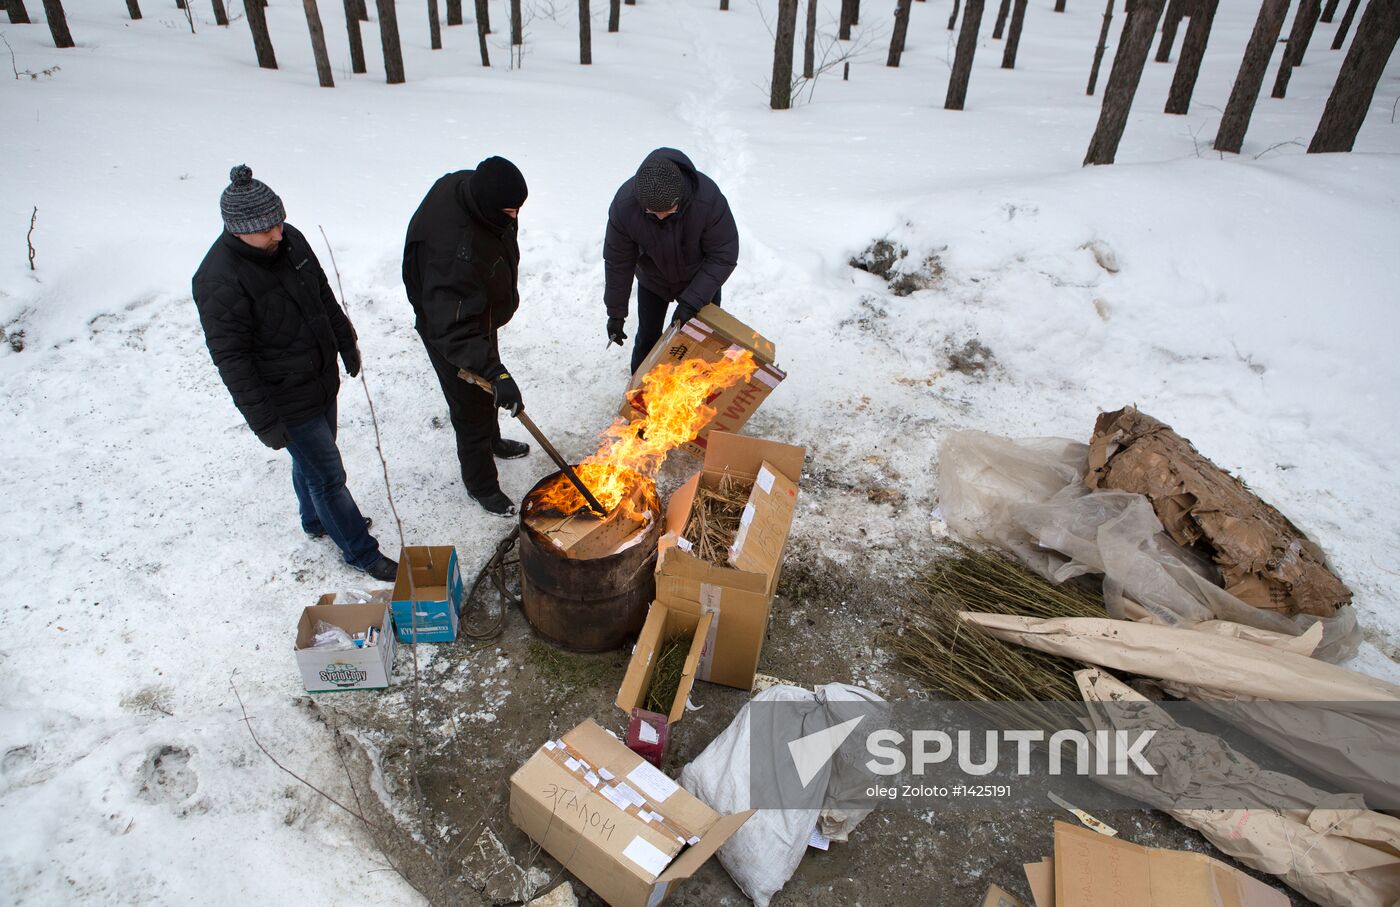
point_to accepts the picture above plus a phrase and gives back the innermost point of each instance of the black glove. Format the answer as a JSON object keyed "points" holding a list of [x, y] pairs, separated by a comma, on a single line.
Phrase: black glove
{"points": [[684, 312], [615, 332], [507, 392], [275, 437], [351, 358]]}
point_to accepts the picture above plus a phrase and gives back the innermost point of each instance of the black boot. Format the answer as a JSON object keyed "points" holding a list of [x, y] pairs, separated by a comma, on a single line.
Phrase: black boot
{"points": [[383, 569], [495, 502], [506, 449]]}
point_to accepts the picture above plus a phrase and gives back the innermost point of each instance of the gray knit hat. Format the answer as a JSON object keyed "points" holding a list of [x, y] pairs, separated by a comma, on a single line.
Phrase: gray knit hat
{"points": [[248, 205], [660, 184]]}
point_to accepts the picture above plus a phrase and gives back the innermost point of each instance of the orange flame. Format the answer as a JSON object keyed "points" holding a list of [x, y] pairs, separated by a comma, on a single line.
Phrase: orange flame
{"points": [[676, 403]]}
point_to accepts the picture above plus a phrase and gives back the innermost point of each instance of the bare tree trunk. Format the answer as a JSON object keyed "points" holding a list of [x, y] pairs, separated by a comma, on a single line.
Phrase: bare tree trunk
{"points": [[1329, 10], [1356, 82], [962, 60], [1235, 121], [434, 26], [1176, 9], [1000, 27], [454, 12], [614, 15], [781, 94], [357, 44], [483, 12], [1013, 38], [133, 9], [58, 23], [723, 5], [848, 18], [220, 13], [361, 10], [389, 40], [1099, 51], [953, 16], [1304, 22], [1193, 50], [855, 12], [1345, 25], [18, 14], [1059, 6], [809, 45], [318, 43], [585, 34], [262, 41], [1128, 62], [517, 36], [901, 29], [482, 27]]}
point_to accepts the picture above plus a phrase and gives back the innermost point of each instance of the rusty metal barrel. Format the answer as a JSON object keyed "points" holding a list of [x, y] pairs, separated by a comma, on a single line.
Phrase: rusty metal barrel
{"points": [[587, 604]]}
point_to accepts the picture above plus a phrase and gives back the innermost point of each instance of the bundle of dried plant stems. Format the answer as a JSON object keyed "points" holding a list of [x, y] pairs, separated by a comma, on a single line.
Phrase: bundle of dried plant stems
{"points": [[666, 677], [714, 518], [965, 661]]}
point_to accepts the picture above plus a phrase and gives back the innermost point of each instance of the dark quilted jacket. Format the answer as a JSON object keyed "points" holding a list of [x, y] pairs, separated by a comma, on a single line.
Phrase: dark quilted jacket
{"points": [[460, 274], [273, 328], [687, 256]]}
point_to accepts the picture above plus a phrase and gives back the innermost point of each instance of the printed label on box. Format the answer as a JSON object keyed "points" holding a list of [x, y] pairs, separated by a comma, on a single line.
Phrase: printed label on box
{"points": [[653, 782], [646, 855]]}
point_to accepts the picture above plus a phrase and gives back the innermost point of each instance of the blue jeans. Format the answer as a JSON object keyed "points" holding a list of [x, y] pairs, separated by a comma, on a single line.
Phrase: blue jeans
{"points": [[318, 477], [651, 322]]}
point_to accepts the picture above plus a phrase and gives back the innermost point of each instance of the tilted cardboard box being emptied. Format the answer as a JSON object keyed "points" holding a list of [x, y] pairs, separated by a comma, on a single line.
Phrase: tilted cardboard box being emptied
{"points": [[615, 821], [330, 670], [427, 594], [712, 335], [663, 625], [739, 594]]}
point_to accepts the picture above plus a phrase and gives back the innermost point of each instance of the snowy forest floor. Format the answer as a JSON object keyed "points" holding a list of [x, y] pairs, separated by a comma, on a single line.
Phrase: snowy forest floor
{"points": [[152, 544]]}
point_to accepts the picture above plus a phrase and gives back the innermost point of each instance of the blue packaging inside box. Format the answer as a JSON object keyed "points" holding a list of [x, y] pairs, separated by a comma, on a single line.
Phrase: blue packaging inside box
{"points": [[427, 594]]}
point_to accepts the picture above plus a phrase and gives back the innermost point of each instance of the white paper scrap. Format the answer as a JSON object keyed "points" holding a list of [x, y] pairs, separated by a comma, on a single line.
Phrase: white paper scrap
{"points": [[819, 841], [571, 764], [630, 795], [646, 855], [605, 774], [614, 797], [551, 745], [684, 544], [653, 782], [648, 733], [591, 778], [764, 480], [767, 378]]}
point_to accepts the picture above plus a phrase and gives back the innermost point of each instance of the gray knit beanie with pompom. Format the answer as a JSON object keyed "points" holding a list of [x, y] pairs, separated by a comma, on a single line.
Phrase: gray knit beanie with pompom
{"points": [[248, 205]]}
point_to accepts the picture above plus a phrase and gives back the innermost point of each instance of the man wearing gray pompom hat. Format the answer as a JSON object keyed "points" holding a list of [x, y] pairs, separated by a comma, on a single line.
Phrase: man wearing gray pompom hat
{"points": [[274, 330]]}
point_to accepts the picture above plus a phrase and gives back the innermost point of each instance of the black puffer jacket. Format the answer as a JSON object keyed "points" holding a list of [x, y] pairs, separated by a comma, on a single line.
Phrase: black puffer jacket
{"points": [[460, 273], [273, 328], [687, 256]]}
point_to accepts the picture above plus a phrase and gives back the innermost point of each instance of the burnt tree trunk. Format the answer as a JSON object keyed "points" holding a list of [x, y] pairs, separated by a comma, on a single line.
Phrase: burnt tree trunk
{"points": [[953, 16], [901, 29], [18, 14], [848, 18], [1013, 37], [781, 95], [58, 23], [517, 33], [220, 13], [809, 43], [585, 34], [1176, 9], [133, 9], [614, 15], [1193, 50], [454, 12], [389, 40], [434, 26], [1304, 22], [1099, 51], [1128, 62], [357, 43], [1000, 27], [962, 60], [482, 28], [1329, 10], [1345, 25], [1356, 82], [262, 41], [1235, 121], [318, 43]]}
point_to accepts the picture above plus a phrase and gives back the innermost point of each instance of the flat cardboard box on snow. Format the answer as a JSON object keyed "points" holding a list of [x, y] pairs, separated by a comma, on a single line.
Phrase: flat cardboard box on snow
{"points": [[663, 624], [739, 594], [621, 826], [711, 335]]}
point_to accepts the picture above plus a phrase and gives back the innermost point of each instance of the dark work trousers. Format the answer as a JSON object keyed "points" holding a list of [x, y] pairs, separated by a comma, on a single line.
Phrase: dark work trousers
{"points": [[651, 321], [473, 412], [318, 477]]}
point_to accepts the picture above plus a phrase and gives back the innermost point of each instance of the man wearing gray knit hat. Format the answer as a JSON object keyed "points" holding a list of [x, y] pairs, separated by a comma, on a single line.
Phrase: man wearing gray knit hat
{"points": [[274, 330], [670, 228]]}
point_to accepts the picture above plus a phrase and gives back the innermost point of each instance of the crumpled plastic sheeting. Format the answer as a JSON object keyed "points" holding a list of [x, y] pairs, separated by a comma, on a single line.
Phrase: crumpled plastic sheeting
{"points": [[1028, 498]]}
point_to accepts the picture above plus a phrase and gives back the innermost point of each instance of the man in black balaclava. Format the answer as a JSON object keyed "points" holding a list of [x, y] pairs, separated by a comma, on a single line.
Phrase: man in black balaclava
{"points": [[460, 265]]}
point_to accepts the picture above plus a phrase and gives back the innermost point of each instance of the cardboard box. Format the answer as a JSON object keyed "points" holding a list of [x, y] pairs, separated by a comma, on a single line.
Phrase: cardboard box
{"points": [[614, 820], [331, 670], [1093, 870], [996, 896], [433, 600], [711, 335], [663, 624], [739, 594]]}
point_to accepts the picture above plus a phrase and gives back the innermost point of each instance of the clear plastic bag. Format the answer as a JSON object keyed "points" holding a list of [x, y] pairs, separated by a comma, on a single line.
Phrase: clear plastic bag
{"points": [[328, 636]]}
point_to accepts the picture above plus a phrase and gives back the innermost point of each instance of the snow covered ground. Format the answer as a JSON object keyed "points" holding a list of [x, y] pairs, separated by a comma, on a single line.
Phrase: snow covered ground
{"points": [[151, 543]]}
